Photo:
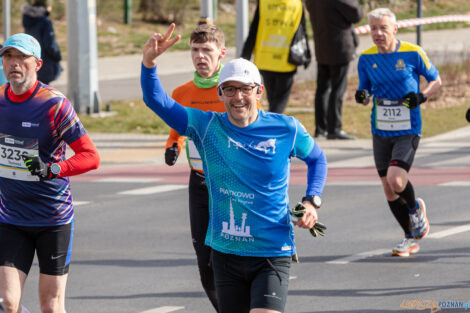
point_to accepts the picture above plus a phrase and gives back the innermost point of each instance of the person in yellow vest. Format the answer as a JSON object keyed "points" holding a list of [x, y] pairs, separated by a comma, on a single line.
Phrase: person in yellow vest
{"points": [[271, 32]]}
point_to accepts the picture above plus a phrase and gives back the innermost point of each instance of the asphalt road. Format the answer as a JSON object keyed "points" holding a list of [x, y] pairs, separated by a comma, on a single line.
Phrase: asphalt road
{"points": [[132, 251]]}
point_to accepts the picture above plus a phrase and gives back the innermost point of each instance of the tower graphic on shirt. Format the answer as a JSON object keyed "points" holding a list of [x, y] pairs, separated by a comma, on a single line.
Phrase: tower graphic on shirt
{"points": [[232, 229]]}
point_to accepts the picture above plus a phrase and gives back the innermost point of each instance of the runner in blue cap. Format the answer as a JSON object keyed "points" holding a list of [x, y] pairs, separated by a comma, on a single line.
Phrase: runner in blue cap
{"points": [[36, 208]]}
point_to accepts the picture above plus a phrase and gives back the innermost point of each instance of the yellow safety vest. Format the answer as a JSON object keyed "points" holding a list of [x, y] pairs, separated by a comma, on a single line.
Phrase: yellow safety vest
{"points": [[278, 22]]}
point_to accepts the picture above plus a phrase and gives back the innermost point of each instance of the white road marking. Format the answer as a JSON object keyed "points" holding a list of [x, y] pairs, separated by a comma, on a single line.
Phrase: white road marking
{"points": [[449, 232], [356, 183], [77, 203], [127, 180], [359, 256], [456, 183], [447, 163], [165, 309], [368, 254], [353, 163], [153, 189]]}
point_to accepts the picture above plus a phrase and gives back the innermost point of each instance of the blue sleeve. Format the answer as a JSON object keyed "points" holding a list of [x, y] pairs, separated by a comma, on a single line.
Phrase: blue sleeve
{"points": [[317, 171], [306, 149], [364, 81], [303, 142], [155, 97], [425, 67]]}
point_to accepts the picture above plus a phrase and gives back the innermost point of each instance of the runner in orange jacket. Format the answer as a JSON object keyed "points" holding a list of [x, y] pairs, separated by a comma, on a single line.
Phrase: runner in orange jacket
{"points": [[207, 50]]}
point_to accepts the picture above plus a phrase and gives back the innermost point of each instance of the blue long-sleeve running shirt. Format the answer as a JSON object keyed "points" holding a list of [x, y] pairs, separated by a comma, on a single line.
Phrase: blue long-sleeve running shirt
{"points": [[247, 172]]}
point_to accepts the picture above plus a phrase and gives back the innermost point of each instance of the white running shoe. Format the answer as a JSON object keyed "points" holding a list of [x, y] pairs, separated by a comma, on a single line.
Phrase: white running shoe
{"points": [[406, 247], [419, 220]]}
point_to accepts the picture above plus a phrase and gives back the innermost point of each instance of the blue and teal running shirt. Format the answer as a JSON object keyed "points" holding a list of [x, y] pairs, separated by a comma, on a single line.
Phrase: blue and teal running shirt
{"points": [[389, 77], [247, 172], [40, 125]]}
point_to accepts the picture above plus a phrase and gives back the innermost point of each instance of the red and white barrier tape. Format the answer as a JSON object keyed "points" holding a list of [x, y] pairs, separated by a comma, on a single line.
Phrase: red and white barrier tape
{"points": [[420, 21]]}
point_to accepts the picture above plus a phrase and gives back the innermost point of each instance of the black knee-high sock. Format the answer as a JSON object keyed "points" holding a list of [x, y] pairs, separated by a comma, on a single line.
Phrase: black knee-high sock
{"points": [[408, 195], [401, 213]]}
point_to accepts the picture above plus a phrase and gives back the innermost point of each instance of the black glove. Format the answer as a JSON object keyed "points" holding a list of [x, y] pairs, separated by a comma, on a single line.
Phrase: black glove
{"points": [[36, 166], [413, 99], [171, 154], [298, 211], [467, 116], [361, 96], [318, 229]]}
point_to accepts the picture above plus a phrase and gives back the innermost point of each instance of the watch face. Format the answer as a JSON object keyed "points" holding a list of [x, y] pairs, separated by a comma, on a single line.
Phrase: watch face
{"points": [[317, 201], [55, 169]]}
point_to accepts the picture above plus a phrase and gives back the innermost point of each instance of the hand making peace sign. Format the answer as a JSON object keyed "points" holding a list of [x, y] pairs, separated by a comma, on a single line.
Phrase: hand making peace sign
{"points": [[157, 44]]}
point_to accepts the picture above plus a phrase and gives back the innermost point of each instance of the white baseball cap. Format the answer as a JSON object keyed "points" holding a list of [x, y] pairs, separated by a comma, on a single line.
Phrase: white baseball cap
{"points": [[240, 70]]}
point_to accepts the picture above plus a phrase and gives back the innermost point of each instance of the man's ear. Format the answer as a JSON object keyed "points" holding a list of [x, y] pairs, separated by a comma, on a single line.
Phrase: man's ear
{"points": [[259, 92], [220, 94], [38, 65], [223, 52]]}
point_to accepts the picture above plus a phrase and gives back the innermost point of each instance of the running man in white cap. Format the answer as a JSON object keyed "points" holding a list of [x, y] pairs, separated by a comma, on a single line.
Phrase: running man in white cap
{"points": [[246, 156]]}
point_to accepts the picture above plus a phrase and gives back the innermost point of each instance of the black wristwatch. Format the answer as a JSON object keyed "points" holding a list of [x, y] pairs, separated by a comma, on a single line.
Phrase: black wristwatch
{"points": [[315, 200], [55, 170]]}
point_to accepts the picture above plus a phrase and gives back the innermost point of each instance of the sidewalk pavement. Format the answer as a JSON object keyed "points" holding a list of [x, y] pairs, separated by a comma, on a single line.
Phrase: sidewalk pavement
{"points": [[136, 149]]}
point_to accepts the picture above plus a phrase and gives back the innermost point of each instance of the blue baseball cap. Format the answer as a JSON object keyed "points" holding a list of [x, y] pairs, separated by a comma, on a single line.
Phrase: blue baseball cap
{"points": [[24, 43]]}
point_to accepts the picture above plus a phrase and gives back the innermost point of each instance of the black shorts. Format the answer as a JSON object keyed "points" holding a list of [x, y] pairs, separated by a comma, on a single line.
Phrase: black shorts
{"points": [[245, 283], [53, 245], [397, 151]]}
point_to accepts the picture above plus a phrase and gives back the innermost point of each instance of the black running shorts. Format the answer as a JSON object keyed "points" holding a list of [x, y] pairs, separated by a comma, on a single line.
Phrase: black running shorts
{"points": [[53, 245], [397, 151], [245, 283]]}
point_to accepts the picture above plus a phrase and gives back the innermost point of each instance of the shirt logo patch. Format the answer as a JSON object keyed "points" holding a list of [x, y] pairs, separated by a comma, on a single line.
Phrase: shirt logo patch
{"points": [[375, 65], [29, 124], [286, 248], [234, 143], [266, 145], [13, 141], [233, 232], [400, 66]]}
